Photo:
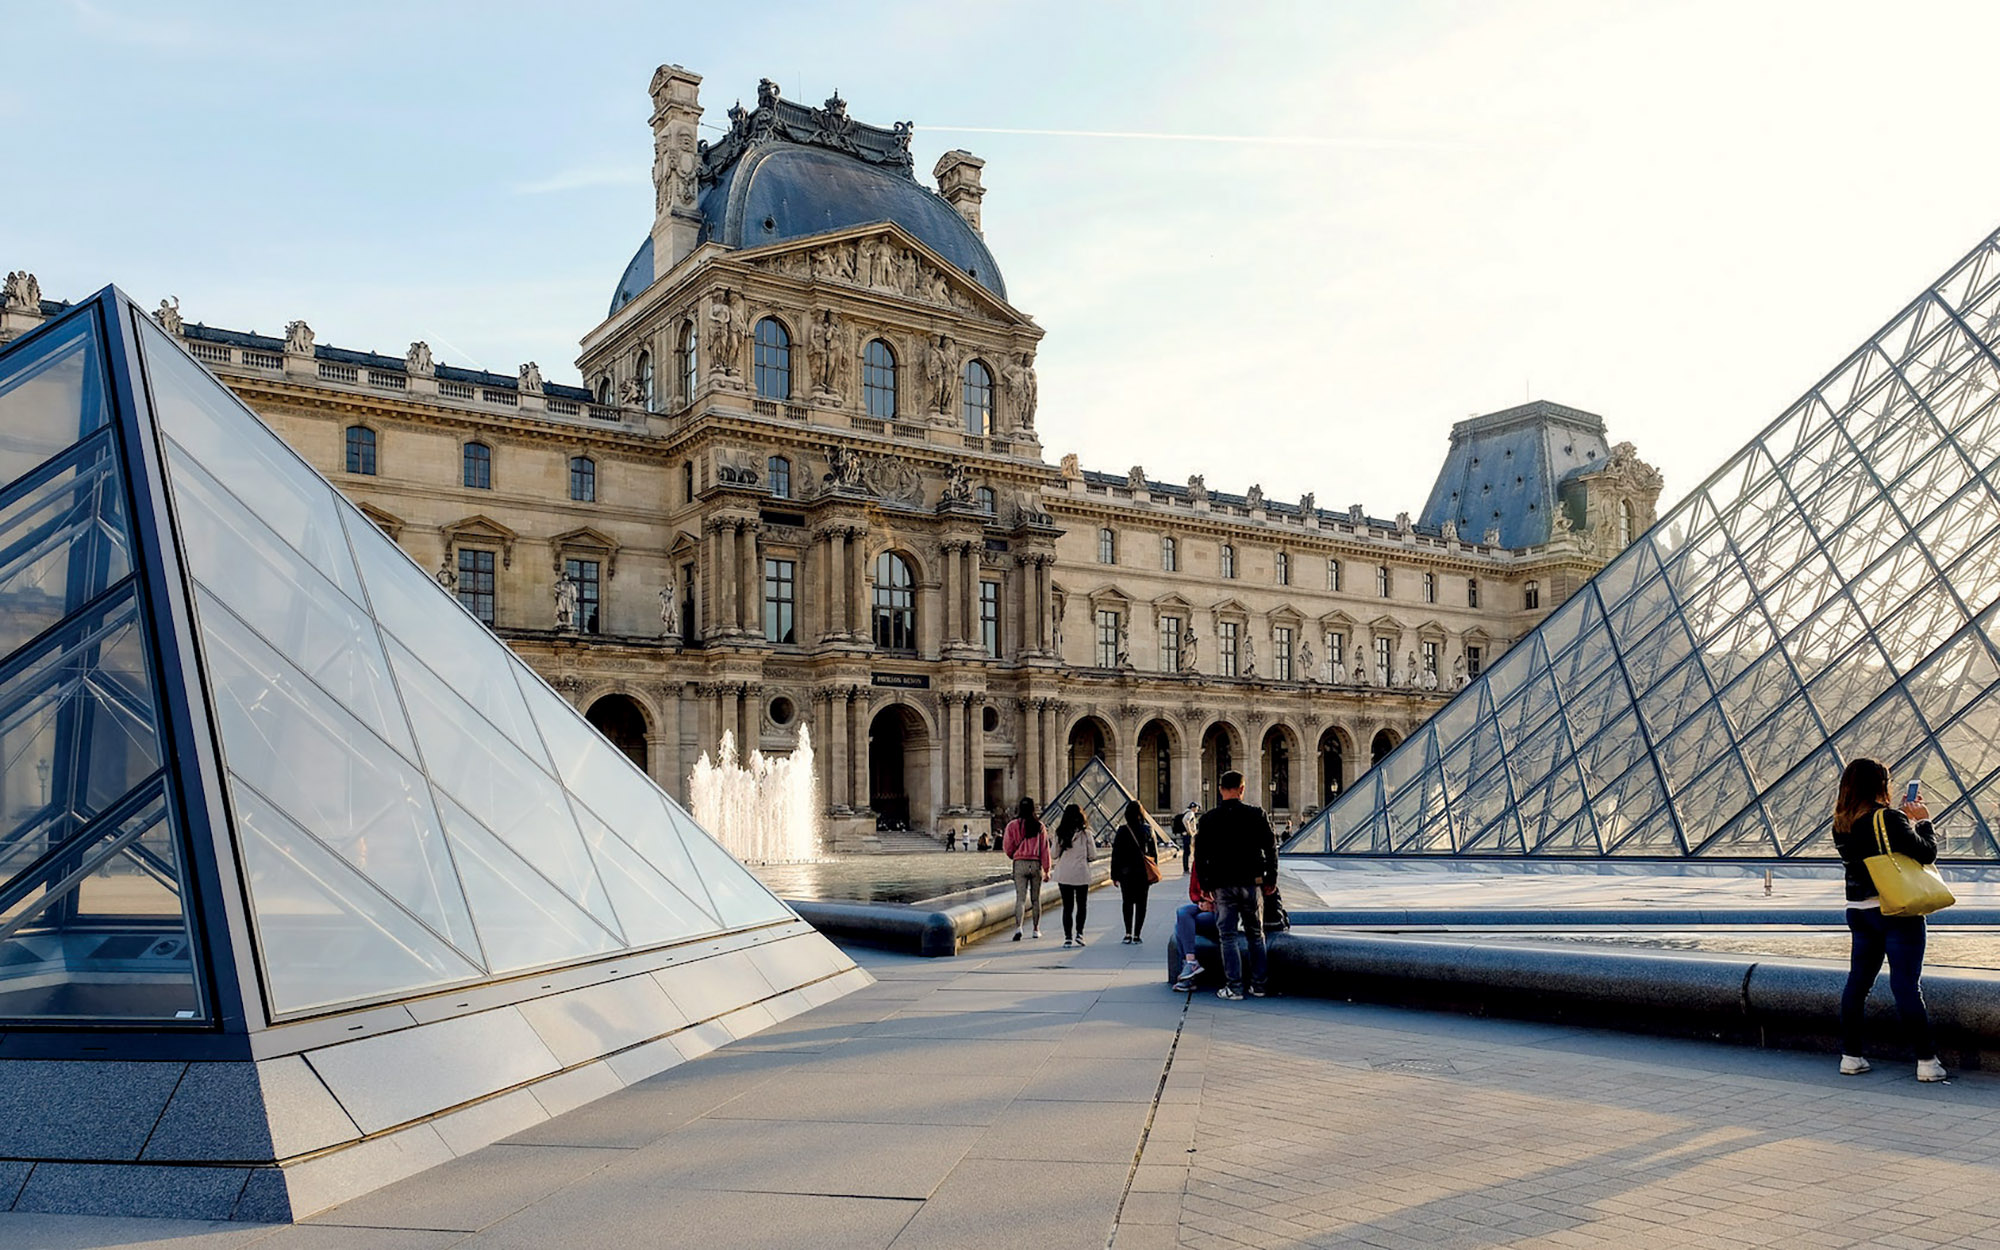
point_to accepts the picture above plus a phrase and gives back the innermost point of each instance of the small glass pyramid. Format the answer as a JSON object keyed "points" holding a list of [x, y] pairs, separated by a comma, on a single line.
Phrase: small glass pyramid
{"points": [[1098, 794], [1829, 593], [223, 689]]}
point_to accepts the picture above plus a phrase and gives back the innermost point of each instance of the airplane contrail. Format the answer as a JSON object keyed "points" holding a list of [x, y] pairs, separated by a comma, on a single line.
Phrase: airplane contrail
{"points": [[1307, 141]]}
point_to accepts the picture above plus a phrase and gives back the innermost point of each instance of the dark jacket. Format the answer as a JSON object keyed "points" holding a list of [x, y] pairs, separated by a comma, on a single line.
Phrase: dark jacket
{"points": [[1916, 840], [1128, 851], [1234, 846]]}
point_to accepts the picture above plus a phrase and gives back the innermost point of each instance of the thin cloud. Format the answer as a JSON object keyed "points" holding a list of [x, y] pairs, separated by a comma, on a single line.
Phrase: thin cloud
{"points": [[580, 179], [1296, 141]]}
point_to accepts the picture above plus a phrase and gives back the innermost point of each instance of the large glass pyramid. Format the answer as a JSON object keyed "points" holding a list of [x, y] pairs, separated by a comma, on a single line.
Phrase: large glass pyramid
{"points": [[1829, 593], [1101, 798], [225, 694]]}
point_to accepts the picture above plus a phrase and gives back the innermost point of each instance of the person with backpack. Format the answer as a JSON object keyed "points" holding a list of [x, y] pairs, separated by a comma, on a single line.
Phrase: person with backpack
{"points": [[1184, 822], [1236, 857], [1072, 872], [1026, 843], [1132, 855]]}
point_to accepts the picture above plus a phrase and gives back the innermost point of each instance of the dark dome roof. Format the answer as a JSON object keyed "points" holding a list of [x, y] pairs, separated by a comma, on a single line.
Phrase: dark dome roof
{"points": [[781, 191]]}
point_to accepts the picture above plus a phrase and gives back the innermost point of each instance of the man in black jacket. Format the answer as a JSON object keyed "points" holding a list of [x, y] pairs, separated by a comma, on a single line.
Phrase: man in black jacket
{"points": [[1236, 860]]}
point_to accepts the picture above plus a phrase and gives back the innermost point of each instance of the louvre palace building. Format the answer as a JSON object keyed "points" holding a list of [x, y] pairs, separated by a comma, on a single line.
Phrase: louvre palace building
{"points": [[805, 489]]}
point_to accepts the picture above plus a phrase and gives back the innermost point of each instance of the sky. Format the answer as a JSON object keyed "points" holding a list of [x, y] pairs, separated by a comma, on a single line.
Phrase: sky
{"points": [[1276, 243]]}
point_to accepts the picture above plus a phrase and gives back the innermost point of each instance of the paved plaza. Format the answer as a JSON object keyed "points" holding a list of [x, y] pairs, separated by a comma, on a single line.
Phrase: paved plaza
{"points": [[1026, 1095]]}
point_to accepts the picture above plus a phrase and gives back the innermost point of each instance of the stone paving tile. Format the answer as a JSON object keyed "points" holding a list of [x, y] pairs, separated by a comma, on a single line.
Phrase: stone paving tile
{"points": [[629, 1215], [474, 1190], [799, 1157], [958, 1097]]}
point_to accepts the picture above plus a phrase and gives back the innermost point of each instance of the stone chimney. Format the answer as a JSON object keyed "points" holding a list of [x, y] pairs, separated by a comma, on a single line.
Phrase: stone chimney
{"points": [[676, 112], [957, 175]]}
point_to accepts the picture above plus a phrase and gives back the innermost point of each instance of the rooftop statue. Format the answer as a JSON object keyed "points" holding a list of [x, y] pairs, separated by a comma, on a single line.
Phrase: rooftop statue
{"points": [[169, 315]]}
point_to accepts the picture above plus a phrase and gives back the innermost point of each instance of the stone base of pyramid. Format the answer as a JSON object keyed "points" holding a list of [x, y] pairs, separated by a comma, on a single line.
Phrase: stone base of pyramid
{"points": [[314, 1115]]}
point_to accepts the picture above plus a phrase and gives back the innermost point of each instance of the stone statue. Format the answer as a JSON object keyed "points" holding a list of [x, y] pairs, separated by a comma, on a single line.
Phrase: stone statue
{"points": [[298, 339], [670, 624], [531, 379], [721, 353], [169, 314], [417, 361], [1136, 479], [1458, 678], [1308, 671], [1430, 679], [1254, 497], [1450, 529], [1072, 471], [1308, 506], [825, 339], [957, 484], [844, 468], [1020, 379], [1559, 525], [445, 576], [1191, 652], [1403, 525], [1408, 677], [1123, 650], [740, 333], [1198, 488], [767, 93], [22, 293], [1356, 514], [631, 393], [1249, 664], [1056, 609], [939, 371], [567, 595], [1492, 538], [1360, 671]]}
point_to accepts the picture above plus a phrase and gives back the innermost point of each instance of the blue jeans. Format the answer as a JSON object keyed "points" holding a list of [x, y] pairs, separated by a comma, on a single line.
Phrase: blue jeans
{"points": [[1240, 904], [1901, 938], [1189, 920]]}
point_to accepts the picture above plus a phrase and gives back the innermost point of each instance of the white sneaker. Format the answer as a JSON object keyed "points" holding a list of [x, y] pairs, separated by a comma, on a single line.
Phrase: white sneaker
{"points": [[1931, 1070], [1853, 1065], [1038, 933], [1079, 939], [1067, 943]]}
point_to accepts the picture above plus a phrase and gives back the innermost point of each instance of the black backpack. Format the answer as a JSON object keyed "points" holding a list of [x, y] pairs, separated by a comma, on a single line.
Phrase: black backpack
{"points": [[1276, 918]]}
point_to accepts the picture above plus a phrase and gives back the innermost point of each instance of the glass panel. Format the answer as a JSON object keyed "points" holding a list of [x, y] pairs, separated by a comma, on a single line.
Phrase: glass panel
{"points": [[236, 448], [476, 665], [325, 935], [51, 396], [1762, 688], [1748, 836], [63, 541], [650, 909], [497, 784], [524, 922], [283, 736], [1825, 637], [1972, 742], [1959, 672], [277, 593], [1775, 746], [1800, 808], [742, 898], [1697, 742], [1849, 683], [98, 928]]}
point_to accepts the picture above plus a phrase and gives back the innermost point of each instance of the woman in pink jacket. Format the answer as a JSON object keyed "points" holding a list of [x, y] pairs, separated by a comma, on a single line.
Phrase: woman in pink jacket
{"points": [[1027, 844]]}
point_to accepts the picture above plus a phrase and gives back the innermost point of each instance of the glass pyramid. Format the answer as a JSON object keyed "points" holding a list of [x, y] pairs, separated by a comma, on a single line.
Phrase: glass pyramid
{"points": [[1829, 593], [224, 693], [1102, 800]]}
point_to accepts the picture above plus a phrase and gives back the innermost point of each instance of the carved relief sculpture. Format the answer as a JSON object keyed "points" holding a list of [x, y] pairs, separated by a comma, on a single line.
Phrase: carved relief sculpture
{"points": [[417, 361], [298, 339], [531, 379], [1020, 380]]}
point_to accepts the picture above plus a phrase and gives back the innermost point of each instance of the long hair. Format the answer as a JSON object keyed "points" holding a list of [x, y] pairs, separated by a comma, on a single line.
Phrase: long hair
{"points": [[1071, 824], [1135, 820], [1864, 786], [1024, 811]]}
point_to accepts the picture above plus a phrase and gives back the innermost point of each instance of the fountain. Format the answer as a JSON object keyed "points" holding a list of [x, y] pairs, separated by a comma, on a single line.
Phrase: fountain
{"points": [[765, 810]]}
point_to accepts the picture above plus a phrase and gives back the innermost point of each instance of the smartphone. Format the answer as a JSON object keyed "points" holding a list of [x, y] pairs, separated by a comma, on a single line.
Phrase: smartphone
{"points": [[1910, 793]]}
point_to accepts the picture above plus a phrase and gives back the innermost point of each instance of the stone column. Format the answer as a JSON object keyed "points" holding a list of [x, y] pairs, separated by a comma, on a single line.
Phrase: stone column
{"points": [[745, 724], [949, 596], [857, 747], [665, 756], [975, 755], [947, 759], [725, 576], [1045, 579], [1030, 753], [857, 596], [750, 603], [1252, 765], [836, 583], [719, 694], [1053, 773], [968, 589]]}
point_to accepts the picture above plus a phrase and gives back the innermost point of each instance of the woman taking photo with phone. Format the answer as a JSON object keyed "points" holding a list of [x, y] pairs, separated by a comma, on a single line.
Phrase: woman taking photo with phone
{"points": [[1863, 821]]}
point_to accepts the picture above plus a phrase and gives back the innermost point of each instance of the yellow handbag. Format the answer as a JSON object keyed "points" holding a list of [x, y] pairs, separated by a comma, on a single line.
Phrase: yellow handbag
{"points": [[1906, 887]]}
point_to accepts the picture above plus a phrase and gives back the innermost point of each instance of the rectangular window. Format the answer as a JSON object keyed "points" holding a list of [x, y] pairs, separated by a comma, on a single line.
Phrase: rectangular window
{"points": [[1170, 644], [1385, 660], [478, 466], [1107, 547], [475, 584], [1281, 648], [1283, 568], [1107, 638], [780, 600], [1170, 560], [361, 450], [1229, 647], [989, 617], [687, 482], [1430, 588], [1228, 560], [584, 574], [583, 479], [1471, 592], [1336, 656], [1382, 582], [1472, 661], [1333, 575], [1431, 658]]}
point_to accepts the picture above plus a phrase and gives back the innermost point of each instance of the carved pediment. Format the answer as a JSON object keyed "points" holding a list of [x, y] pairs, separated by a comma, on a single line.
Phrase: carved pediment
{"points": [[388, 522], [1386, 625], [1336, 621], [1109, 596], [1286, 614], [485, 530], [1229, 607], [586, 541], [884, 259]]}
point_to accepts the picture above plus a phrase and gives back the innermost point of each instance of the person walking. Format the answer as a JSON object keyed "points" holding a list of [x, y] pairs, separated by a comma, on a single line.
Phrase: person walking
{"points": [[1072, 872], [1132, 847], [1236, 857], [1027, 844], [1184, 823], [1862, 819]]}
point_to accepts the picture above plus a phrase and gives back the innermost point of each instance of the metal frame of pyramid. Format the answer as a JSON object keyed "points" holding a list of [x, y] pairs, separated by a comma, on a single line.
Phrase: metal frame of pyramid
{"points": [[1829, 593], [306, 881], [1102, 797]]}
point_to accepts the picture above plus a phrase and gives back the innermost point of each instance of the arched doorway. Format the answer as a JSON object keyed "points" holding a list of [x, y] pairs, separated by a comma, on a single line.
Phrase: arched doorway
{"points": [[1332, 765], [1279, 750], [1089, 739], [1385, 742], [899, 768], [619, 719], [1156, 766], [1220, 745]]}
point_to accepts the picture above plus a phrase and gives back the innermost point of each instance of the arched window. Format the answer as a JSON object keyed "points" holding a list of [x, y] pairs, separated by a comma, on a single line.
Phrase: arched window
{"points": [[1170, 554], [1382, 582], [978, 401], [989, 503], [1107, 547], [687, 361], [644, 372], [779, 470], [583, 479], [1628, 523], [479, 466], [773, 360], [878, 380], [361, 450], [1471, 592], [1430, 588], [1228, 560], [604, 391], [895, 604], [1333, 575], [1531, 595], [1284, 568]]}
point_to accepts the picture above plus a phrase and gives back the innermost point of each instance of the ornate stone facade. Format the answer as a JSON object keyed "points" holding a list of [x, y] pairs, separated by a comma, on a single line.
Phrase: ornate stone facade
{"points": [[804, 488]]}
